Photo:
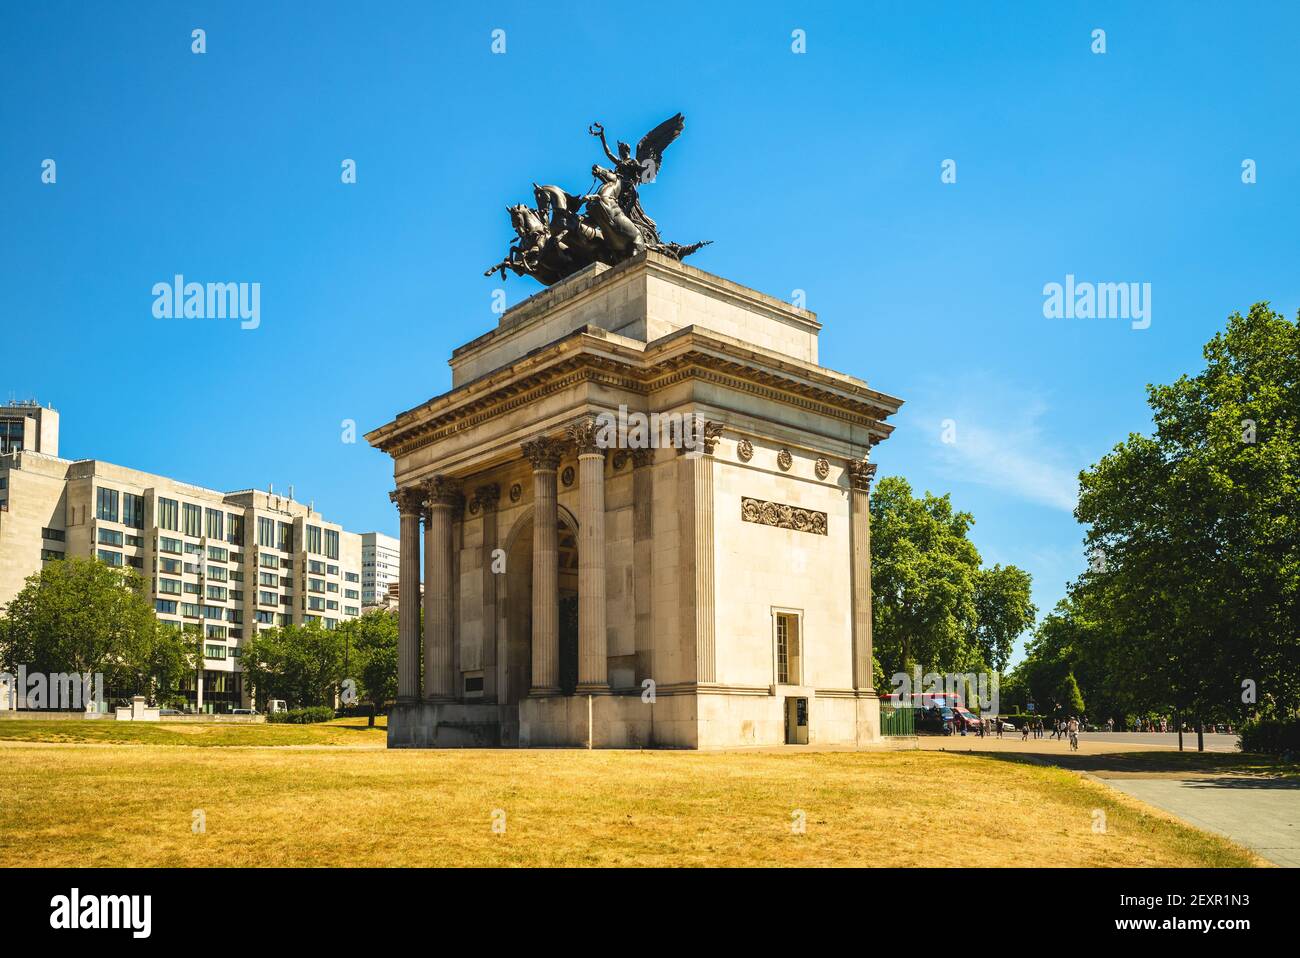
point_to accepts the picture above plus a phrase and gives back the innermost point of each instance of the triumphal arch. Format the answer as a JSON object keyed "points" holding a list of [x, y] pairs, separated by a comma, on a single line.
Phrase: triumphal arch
{"points": [[640, 514]]}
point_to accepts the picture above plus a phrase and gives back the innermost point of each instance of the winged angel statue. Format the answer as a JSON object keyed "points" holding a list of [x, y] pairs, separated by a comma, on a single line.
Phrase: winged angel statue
{"points": [[565, 233]]}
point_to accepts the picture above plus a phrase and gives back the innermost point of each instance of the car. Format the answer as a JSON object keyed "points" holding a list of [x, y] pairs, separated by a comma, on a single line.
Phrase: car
{"points": [[964, 720], [1008, 726], [170, 712], [936, 720], [243, 712]]}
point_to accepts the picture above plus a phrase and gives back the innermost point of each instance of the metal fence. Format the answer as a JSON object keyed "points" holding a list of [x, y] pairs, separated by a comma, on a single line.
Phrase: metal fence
{"points": [[897, 721]]}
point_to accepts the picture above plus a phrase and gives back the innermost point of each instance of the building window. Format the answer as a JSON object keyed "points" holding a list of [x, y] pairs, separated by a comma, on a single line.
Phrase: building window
{"points": [[217, 593], [169, 586], [332, 544], [106, 504], [168, 514], [214, 651], [110, 537], [49, 555], [235, 529], [189, 610], [165, 606], [217, 573], [132, 510], [54, 535], [266, 532], [268, 561], [286, 537], [351, 577], [216, 522], [314, 540], [192, 517], [112, 558], [789, 657]]}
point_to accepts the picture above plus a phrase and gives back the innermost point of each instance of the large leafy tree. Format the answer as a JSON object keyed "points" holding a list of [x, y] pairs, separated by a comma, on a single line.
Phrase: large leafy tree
{"points": [[1194, 533], [933, 604], [372, 656], [302, 664], [81, 615]]}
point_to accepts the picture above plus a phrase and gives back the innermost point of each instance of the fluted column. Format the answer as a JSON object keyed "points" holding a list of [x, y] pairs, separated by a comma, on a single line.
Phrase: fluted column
{"points": [[861, 472], [593, 656], [442, 500], [487, 497], [697, 534], [409, 503], [544, 454]]}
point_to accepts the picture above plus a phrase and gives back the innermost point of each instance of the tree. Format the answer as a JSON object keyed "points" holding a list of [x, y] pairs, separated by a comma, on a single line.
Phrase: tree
{"points": [[1003, 611], [933, 604], [302, 664], [1194, 533], [84, 616], [373, 639], [1068, 698]]}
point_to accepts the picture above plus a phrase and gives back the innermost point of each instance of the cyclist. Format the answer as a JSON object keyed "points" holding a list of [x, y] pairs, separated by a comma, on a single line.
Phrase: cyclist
{"points": [[1073, 726]]}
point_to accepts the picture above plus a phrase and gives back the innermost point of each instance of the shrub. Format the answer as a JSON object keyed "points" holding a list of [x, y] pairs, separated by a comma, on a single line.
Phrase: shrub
{"points": [[307, 716], [1272, 736]]}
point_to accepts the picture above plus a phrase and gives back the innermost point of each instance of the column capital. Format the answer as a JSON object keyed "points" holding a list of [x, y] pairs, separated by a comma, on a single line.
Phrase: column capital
{"points": [[583, 435], [861, 473], [441, 491], [488, 496], [544, 453], [408, 499], [705, 433], [642, 457]]}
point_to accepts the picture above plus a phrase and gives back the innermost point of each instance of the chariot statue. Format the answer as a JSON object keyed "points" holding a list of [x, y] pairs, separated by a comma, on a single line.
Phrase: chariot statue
{"points": [[565, 232]]}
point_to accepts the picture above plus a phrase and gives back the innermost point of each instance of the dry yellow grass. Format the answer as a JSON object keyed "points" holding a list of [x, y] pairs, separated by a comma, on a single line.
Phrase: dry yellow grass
{"points": [[133, 805]]}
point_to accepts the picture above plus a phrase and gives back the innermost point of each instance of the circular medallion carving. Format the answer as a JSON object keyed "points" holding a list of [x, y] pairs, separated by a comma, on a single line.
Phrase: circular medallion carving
{"points": [[473, 507], [745, 450], [784, 460], [566, 477], [823, 468], [515, 492], [620, 459]]}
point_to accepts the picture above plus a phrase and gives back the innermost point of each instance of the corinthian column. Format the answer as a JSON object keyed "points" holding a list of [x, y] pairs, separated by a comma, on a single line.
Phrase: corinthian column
{"points": [[409, 505], [697, 546], [861, 472], [442, 499], [544, 454], [593, 661]]}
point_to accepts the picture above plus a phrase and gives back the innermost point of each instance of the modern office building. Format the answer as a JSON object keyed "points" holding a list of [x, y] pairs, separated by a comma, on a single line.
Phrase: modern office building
{"points": [[28, 425], [380, 563], [220, 565]]}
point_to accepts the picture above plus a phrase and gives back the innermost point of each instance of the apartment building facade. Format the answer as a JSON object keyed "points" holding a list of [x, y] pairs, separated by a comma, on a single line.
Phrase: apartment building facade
{"points": [[380, 565], [220, 566]]}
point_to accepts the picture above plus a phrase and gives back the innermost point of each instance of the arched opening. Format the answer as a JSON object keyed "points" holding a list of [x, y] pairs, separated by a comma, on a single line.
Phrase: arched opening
{"points": [[517, 608]]}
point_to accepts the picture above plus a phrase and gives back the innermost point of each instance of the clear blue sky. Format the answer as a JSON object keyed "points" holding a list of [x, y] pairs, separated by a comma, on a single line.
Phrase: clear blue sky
{"points": [[818, 172]]}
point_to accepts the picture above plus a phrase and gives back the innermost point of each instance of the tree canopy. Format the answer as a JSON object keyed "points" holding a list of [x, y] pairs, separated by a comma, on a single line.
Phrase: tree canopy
{"points": [[1191, 599]]}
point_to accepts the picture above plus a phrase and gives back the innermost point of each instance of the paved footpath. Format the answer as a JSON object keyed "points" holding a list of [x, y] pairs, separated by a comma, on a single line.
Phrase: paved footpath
{"points": [[1261, 812]]}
